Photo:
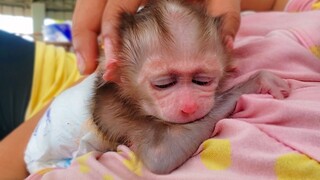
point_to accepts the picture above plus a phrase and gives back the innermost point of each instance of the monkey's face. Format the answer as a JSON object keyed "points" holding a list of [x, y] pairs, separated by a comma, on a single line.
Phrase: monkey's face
{"points": [[176, 61], [181, 88]]}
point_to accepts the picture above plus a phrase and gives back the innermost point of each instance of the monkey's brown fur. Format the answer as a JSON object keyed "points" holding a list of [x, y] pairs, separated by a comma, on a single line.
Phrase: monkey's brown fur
{"points": [[116, 107], [116, 110]]}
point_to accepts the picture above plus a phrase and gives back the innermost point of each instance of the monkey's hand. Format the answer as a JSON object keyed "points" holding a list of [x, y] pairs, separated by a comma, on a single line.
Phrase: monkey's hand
{"points": [[262, 82], [265, 82]]}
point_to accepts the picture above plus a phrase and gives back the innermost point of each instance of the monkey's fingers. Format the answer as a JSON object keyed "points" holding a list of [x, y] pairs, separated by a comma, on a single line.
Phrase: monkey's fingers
{"points": [[275, 86], [280, 91]]}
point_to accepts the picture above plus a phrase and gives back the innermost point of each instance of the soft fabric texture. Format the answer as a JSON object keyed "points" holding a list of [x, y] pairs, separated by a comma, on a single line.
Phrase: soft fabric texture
{"points": [[54, 70], [265, 138], [16, 70], [302, 5], [31, 75], [56, 138]]}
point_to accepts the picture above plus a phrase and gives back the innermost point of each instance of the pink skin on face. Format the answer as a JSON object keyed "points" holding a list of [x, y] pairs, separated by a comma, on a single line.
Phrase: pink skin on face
{"points": [[180, 80], [185, 103], [181, 90]]}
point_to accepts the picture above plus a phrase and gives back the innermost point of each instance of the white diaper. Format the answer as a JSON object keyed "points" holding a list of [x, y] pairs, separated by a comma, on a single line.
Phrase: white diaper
{"points": [[64, 131]]}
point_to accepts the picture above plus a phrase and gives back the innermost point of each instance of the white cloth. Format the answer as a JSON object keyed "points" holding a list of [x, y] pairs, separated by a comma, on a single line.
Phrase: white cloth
{"points": [[64, 131]]}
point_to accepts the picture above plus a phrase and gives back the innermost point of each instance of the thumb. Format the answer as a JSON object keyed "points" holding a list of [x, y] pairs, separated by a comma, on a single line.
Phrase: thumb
{"points": [[230, 26], [85, 30], [230, 9], [111, 21]]}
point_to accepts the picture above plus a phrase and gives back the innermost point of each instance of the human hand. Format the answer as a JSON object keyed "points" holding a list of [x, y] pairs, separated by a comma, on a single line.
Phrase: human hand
{"points": [[231, 21], [94, 18]]}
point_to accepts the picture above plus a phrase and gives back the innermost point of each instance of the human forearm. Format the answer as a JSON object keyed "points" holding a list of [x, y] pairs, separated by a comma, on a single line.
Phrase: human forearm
{"points": [[12, 149]]}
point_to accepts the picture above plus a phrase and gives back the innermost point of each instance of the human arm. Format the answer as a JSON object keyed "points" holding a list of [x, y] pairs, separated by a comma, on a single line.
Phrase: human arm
{"points": [[12, 149]]}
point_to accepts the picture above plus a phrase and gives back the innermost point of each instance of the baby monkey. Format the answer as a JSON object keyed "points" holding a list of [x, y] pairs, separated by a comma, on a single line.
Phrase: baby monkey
{"points": [[163, 93]]}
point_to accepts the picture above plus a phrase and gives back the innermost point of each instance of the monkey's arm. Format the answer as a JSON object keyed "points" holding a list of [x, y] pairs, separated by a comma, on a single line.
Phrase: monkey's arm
{"points": [[164, 147]]}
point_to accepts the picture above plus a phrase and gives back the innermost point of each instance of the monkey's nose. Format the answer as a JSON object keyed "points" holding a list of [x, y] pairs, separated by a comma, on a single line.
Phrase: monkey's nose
{"points": [[189, 108]]}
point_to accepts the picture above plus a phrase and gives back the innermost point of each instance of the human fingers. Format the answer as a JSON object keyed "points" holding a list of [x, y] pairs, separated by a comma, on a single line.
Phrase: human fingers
{"points": [[86, 28], [230, 9], [111, 20]]}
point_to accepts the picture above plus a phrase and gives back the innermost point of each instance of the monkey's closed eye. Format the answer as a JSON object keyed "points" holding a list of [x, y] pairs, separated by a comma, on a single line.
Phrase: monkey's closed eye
{"points": [[164, 86], [164, 83], [202, 81]]}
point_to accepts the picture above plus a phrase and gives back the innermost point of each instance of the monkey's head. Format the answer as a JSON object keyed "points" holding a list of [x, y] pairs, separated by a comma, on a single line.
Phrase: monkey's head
{"points": [[171, 60]]}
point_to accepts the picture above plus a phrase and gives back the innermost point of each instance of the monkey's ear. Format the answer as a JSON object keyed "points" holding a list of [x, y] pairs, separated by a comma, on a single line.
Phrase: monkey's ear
{"points": [[219, 23], [226, 32], [111, 68], [111, 73]]}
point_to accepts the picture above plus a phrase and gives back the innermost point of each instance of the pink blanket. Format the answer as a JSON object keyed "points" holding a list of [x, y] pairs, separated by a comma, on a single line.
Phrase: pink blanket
{"points": [[265, 138]]}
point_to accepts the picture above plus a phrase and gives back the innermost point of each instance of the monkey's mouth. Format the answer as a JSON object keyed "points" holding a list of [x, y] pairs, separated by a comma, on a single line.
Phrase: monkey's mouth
{"points": [[188, 121], [199, 119]]}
